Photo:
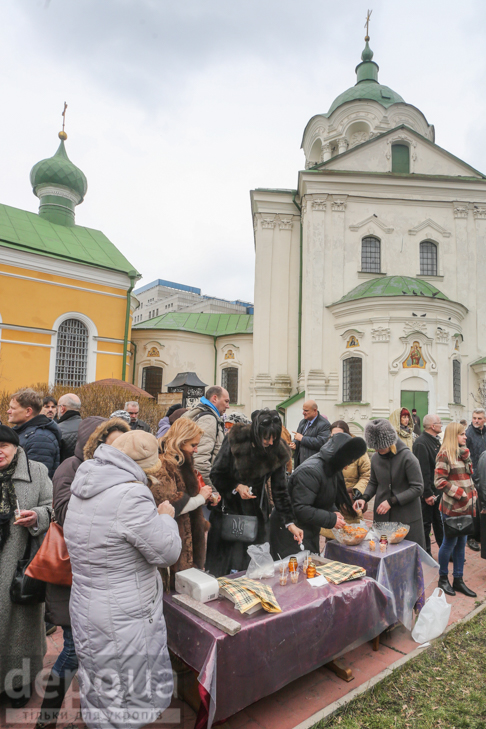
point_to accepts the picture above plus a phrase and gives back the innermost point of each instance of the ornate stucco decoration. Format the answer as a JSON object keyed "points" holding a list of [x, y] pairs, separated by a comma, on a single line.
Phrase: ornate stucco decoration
{"points": [[380, 334], [285, 223], [411, 327], [268, 223], [429, 223], [339, 203], [371, 219], [319, 203], [461, 210], [423, 347], [442, 335], [400, 138], [479, 212]]}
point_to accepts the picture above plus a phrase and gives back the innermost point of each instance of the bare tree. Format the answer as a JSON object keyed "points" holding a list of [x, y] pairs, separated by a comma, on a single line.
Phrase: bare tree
{"points": [[480, 396]]}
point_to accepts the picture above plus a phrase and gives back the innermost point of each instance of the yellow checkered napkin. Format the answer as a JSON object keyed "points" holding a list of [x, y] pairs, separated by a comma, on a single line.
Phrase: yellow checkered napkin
{"points": [[248, 593], [337, 572]]}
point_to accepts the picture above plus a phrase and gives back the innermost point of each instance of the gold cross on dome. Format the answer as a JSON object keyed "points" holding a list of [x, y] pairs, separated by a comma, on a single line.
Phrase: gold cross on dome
{"points": [[64, 115], [367, 25]]}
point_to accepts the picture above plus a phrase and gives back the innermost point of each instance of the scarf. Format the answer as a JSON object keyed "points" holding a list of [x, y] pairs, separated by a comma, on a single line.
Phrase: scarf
{"points": [[8, 500]]}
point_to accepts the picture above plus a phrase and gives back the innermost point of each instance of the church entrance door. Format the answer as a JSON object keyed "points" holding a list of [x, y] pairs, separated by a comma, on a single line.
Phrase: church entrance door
{"points": [[411, 399]]}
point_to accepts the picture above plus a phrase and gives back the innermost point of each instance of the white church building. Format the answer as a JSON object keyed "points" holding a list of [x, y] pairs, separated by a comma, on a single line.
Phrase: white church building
{"points": [[369, 276]]}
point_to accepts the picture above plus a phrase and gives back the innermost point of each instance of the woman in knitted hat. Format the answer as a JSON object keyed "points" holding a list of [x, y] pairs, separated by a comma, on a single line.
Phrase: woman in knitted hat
{"points": [[177, 482], [396, 480], [116, 538], [24, 485]]}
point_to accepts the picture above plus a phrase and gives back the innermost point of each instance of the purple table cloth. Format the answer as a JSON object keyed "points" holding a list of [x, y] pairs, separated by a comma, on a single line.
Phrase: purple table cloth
{"points": [[399, 570], [315, 626]]}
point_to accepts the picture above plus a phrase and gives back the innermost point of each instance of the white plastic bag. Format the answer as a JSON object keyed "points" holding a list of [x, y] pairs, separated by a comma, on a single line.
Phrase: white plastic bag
{"points": [[433, 618], [261, 564]]}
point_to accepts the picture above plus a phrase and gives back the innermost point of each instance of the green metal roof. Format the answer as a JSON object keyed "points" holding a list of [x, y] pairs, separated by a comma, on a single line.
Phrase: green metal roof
{"points": [[287, 403], [213, 325], [59, 170], [393, 286], [27, 231], [367, 86]]}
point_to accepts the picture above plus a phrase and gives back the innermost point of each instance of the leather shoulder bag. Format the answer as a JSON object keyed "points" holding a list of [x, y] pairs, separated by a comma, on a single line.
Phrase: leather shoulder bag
{"points": [[51, 563], [239, 527], [25, 590], [458, 526]]}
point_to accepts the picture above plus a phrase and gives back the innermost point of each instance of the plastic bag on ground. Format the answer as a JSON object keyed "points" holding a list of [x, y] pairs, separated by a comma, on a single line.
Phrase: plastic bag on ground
{"points": [[261, 564], [433, 618]]}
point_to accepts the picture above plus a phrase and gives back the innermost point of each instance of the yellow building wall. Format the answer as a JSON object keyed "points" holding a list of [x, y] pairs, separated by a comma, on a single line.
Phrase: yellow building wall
{"points": [[36, 300]]}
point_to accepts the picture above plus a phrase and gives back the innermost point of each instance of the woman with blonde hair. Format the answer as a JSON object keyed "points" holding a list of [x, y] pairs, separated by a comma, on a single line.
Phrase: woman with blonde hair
{"points": [[453, 476], [177, 482]]}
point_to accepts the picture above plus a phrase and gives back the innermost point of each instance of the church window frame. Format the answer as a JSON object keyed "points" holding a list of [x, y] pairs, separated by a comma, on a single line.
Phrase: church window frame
{"points": [[456, 381], [89, 368], [400, 157], [429, 258], [370, 254], [230, 380], [352, 384], [149, 372]]}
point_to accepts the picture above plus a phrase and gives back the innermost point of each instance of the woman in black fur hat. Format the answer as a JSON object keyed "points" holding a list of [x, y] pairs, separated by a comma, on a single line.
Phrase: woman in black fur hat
{"points": [[318, 493], [250, 456]]}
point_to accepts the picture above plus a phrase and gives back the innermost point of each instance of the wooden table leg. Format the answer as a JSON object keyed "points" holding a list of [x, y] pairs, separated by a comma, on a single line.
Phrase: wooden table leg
{"points": [[376, 643], [341, 671]]}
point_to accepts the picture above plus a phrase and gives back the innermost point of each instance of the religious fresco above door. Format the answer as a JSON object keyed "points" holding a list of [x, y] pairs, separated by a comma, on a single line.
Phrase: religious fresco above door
{"points": [[415, 358], [352, 342]]}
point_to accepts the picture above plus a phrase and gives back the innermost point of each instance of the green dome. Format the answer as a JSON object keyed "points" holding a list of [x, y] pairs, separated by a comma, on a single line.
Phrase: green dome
{"points": [[367, 86], [394, 286], [59, 170]]}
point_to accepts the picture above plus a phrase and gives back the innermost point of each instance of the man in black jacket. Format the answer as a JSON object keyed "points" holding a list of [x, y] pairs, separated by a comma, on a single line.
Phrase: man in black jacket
{"points": [[68, 410], [39, 437], [313, 432], [476, 442], [132, 408], [425, 449]]}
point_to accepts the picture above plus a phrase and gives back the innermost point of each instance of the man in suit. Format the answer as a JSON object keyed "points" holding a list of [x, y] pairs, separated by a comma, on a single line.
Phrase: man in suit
{"points": [[314, 430]]}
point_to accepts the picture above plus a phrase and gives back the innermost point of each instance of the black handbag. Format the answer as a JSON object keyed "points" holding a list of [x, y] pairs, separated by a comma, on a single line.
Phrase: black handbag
{"points": [[458, 526], [240, 528], [26, 590]]}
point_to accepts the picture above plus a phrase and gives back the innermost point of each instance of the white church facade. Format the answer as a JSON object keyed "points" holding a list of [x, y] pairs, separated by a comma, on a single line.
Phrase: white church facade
{"points": [[368, 284]]}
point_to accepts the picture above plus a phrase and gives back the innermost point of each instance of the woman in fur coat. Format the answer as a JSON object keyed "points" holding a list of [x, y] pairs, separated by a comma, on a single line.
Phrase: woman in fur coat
{"points": [[177, 482], [249, 457]]}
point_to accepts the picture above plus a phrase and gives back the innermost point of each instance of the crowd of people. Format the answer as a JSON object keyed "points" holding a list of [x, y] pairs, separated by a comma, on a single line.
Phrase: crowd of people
{"points": [[136, 508]]}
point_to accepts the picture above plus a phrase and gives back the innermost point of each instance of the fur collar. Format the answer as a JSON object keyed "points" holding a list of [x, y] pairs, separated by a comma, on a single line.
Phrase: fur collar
{"points": [[250, 463]]}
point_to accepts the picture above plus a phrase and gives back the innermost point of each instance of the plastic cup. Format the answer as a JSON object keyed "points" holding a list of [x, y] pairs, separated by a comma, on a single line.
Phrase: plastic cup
{"points": [[283, 578], [282, 568], [294, 577]]}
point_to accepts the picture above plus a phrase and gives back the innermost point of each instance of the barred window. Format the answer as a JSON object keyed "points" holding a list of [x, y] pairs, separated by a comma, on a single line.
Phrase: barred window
{"points": [[370, 255], [428, 258], [152, 380], [229, 380], [352, 379], [456, 381], [72, 353]]}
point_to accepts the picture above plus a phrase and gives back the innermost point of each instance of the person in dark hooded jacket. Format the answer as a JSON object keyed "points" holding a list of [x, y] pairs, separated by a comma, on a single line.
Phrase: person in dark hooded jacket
{"points": [[318, 493], [250, 457], [396, 480], [92, 432], [38, 435]]}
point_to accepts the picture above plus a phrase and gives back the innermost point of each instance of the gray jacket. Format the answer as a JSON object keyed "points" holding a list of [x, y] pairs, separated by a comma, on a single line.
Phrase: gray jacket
{"points": [[481, 479], [116, 540], [211, 439], [399, 476], [316, 435], [22, 628], [68, 424]]}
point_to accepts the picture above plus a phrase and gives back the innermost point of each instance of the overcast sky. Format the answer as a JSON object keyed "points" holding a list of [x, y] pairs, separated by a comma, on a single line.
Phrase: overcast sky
{"points": [[178, 109]]}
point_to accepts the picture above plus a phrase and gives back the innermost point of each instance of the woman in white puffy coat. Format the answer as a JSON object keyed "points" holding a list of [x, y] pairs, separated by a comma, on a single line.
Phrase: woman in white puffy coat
{"points": [[117, 538]]}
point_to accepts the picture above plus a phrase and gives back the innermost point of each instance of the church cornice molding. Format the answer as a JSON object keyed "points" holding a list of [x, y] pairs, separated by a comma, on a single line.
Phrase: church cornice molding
{"points": [[429, 223], [398, 304]]}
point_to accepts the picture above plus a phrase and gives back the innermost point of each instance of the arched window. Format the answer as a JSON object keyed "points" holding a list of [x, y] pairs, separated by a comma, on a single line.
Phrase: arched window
{"points": [[400, 158], [456, 381], [428, 258], [72, 353], [152, 380], [352, 379], [229, 380], [370, 255]]}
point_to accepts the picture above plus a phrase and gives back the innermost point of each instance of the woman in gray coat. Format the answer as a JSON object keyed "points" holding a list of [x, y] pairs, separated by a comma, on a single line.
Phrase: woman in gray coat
{"points": [[116, 538], [396, 481], [22, 627]]}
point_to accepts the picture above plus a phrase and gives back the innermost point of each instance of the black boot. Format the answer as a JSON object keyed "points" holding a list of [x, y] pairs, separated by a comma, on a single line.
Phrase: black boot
{"points": [[445, 585], [23, 699], [459, 586], [56, 689]]}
